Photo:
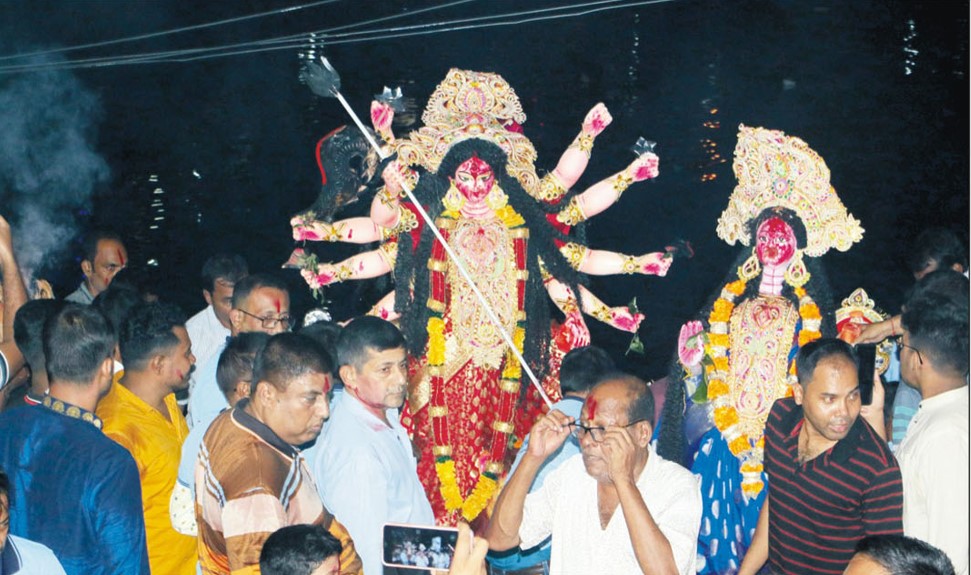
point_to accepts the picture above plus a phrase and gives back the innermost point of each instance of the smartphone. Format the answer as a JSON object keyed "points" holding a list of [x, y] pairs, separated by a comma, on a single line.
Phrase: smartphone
{"points": [[419, 547], [867, 356]]}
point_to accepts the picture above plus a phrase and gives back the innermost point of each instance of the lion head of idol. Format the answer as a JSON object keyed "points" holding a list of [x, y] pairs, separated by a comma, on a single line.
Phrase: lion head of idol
{"points": [[469, 104]]}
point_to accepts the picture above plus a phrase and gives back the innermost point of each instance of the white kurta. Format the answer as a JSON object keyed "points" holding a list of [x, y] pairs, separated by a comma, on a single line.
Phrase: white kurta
{"points": [[566, 507], [934, 463]]}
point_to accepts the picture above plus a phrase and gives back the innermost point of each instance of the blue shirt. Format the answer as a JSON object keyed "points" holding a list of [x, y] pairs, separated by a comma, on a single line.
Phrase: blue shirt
{"points": [[367, 476], [206, 400], [520, 559], [73, 489]]}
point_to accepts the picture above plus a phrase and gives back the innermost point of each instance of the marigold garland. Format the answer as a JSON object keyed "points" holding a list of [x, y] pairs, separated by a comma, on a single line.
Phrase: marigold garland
{"points": [[488, 481], [723, 414]]}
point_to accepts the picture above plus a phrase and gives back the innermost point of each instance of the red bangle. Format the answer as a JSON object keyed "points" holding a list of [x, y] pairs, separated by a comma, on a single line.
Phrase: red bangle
{"points": [[893, 332]]}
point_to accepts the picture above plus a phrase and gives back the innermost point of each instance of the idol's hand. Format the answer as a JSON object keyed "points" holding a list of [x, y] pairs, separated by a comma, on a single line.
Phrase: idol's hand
{"points": [[548, 434], [381, 116], [394, 177], [654, 264], [644, 167], [577, 334], [691, 347], [622, 319], [598, 118]]}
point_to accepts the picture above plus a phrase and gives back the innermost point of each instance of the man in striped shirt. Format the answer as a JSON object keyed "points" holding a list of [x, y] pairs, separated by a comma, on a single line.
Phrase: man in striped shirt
{"points": [[832, 479], [250, 478]]}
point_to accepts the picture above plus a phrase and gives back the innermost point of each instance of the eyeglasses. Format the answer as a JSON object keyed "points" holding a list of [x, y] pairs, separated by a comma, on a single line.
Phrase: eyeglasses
{"points": [[596, 433], [271, 322], [901, 343]]}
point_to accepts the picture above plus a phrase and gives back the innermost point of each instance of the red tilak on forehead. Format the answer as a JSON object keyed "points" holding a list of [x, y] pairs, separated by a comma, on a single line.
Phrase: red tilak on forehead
{"points": [[475, 166], [591, 407], [276, 303], [121, 256]]}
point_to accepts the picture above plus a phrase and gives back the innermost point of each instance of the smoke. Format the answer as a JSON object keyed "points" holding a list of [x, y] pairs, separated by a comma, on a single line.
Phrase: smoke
{"points": [[49, 168]]}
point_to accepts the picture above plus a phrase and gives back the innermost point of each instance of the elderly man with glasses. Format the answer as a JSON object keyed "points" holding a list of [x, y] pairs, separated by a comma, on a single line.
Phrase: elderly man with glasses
{"points": [[618, 507], [260, 303]]}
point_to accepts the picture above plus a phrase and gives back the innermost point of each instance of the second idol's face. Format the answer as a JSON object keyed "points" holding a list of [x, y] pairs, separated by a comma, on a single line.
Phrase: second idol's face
{"points": [[775, 242]]}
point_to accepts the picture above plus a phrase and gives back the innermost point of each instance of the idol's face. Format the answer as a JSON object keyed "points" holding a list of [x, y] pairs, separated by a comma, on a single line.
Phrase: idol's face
{"points": [[775, 242], [474, 178]]}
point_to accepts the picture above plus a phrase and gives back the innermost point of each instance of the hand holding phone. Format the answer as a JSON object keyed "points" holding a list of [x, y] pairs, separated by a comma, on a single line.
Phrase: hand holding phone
{"points": [[866, 355]]}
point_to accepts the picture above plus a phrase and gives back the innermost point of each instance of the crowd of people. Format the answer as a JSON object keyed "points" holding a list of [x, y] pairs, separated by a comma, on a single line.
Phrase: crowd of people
{"points": [[289, 456]]}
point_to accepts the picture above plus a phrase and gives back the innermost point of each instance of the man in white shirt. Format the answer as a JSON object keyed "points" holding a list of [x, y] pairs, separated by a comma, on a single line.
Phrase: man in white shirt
{"points": [[209, 328], [934, 454], [260, 303], [618, 507], [363, 462]]}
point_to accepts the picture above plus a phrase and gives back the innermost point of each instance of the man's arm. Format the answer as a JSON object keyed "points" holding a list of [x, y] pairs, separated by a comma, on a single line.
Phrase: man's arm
{"points": [[651, 547], [883, 503], [361, 506], [14, 296], [349, 560], [758, 552], [547, 436], [119, 520]]}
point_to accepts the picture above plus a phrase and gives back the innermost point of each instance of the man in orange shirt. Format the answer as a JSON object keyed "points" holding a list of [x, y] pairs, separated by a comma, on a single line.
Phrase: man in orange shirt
{"points": [[142, 415]]}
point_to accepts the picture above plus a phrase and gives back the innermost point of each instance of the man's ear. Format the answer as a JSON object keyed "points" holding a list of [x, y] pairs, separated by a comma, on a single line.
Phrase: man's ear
{"points": [[265, 392], [243, 388], [644, 434], [348, 376], [157, 363], [207, 296], [86, 268], [235, 318], [797, 393]]}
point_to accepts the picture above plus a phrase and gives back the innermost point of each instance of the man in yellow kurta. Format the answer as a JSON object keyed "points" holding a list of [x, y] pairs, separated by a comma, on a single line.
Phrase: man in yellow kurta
{"points": [[142, 415]]}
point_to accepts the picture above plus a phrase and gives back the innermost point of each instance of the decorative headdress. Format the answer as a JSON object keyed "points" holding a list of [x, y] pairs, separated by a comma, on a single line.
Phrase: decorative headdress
{"points": [[854, 313], [775, 170], [472, 105]]}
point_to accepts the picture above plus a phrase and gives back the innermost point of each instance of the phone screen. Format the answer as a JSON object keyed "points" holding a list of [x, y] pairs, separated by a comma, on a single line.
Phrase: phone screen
{"points": [[416, 547], [867, 356]]}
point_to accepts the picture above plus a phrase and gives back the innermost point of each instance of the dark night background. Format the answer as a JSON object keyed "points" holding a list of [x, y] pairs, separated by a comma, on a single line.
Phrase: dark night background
{"points": [[879, 89]]}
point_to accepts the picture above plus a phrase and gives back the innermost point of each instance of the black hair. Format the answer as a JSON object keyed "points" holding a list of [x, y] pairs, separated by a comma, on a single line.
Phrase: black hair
{"points": [[641, 406], [297, 550], [223, 266], [89, 248], [364, 334], [582, 366], [28, 328], [5, 487], [939, 245], [411, 270], [287, 356], [77, 340], [248, 284], [944, 281], [117, 301], [936, 319], [901, 555], [816, 351], [326, 333], [148, 332], [237, 359]]}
